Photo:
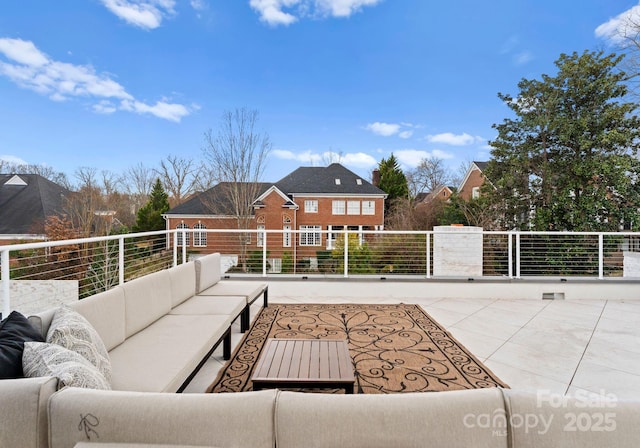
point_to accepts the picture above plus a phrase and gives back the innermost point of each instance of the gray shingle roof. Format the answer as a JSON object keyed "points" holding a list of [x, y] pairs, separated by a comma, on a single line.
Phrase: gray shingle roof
{"points": [[214, 201], [24, 208], [319, 180], [304, 180]]}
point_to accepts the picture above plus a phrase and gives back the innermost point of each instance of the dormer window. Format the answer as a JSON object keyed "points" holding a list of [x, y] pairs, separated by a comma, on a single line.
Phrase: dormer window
{"points": [[337, 181], [358, 181]]}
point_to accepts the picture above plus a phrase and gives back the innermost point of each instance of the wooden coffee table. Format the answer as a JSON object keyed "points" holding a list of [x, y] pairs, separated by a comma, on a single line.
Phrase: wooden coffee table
{"points": [[304, 363]]}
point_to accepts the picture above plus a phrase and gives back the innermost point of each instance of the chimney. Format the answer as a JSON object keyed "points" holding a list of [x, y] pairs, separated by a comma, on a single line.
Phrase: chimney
{"points": [[375, 177]]}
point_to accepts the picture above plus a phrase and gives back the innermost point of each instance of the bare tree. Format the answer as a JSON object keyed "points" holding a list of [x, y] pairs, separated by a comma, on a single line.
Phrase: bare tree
{"points": [[138, 181], [427, 176], [177, 175], [237, 155], [236, 158]]}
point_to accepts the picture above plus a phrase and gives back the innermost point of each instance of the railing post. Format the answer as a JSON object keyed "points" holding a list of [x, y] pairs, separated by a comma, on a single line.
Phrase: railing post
{"points": [[346, 253], [518, 255], [600, 256], [264, 252], [510, 253], [175, 249], [121, 260], [184, 246], [6, 299], [428, 255]]}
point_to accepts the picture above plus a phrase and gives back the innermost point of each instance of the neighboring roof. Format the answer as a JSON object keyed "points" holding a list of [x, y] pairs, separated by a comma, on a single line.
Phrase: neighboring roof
{"points": [[333, 179], [304, 180], [481, 165], [26, 200], [214, 201]]}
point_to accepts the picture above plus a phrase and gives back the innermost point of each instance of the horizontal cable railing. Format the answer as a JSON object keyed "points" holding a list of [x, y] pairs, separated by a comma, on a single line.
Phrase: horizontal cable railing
{"points": [[91, 265]]}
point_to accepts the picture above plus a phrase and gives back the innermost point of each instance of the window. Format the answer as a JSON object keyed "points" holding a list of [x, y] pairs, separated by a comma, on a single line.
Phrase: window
{"points": [[353, 207], [475, 192], [338, 207], [310, 236], [260, 236], [368, 207], [199, 238], [181, 234], [311, 206], [286, 236]]}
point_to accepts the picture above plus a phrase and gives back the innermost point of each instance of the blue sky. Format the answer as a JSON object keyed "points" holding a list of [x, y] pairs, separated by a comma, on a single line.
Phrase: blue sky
{"points": [[110, 84]]}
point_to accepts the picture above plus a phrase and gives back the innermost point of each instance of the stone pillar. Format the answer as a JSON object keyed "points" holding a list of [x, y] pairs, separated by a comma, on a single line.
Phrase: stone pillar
{"points": [[457, 251]]}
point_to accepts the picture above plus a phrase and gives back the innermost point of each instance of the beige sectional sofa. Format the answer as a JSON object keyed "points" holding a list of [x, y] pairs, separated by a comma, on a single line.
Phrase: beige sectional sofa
{"points": [[479, 418], [157, 330]]}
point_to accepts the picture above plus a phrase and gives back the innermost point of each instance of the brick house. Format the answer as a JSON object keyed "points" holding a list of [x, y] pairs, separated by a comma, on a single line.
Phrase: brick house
{"points": [[473, 180], [306, 207]]}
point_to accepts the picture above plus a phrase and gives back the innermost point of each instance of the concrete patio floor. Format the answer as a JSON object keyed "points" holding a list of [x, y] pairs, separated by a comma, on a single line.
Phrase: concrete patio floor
{"points": [[557, 346]]}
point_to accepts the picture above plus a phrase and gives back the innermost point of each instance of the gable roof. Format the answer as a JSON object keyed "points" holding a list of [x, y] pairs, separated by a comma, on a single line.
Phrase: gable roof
{"points": [[26, 200], [214, 201], [333, 179], [479, 166], [304, 180]]}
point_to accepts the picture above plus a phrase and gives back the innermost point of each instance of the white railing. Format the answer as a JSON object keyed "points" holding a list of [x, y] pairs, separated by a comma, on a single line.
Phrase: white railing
{"points": [[97, 264]]}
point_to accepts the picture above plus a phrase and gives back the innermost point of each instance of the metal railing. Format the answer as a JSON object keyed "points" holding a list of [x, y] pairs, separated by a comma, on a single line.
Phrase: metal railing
{"points": [[97, 264]]}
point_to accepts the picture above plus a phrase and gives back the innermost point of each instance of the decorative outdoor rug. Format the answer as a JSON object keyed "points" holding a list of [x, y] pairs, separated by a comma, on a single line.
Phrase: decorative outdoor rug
{"points": [[394, 348]]}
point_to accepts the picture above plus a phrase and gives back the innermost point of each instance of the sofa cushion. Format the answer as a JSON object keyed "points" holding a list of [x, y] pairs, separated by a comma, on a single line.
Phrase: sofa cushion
{"points": [[160, 358], [225, 420], [71, 369], [542, 420], [23, 411], [399, 420], [71, 330], [134, 445], [250, 289], [207, 271], [105, 311], [147, 299], [230, 306], [15, 330], [183, 282]]}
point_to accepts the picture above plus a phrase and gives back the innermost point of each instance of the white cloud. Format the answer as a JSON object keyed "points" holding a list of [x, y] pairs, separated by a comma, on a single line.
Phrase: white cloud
{"points": [[356, 160], [455, 140], [410, 158], [617, 29], [383, 129], [523, 57], [389, 129], [199, 5], [31, 69], [147, 14], [286, 12]]}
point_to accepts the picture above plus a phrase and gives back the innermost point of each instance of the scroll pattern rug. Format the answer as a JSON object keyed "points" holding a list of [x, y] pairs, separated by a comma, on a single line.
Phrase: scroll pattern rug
{"points": [[394, 348]]}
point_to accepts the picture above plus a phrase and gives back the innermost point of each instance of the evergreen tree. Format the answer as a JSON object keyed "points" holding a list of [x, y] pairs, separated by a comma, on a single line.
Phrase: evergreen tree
{"points": [[150, 215], [567, 161], [392, 179]]}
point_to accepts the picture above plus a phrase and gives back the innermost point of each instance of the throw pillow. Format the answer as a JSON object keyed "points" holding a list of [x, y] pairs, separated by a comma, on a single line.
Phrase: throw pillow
{"points": [[15, 330], [71, 369], [71, 330]]}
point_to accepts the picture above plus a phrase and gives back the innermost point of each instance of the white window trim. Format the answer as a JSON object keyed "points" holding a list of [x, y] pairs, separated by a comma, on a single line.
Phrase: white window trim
{"points": [[286, 235], [311, 206], [353, 207], [370, 208], [199, 238], [310, 232], [338, 207], [260, 235]]}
